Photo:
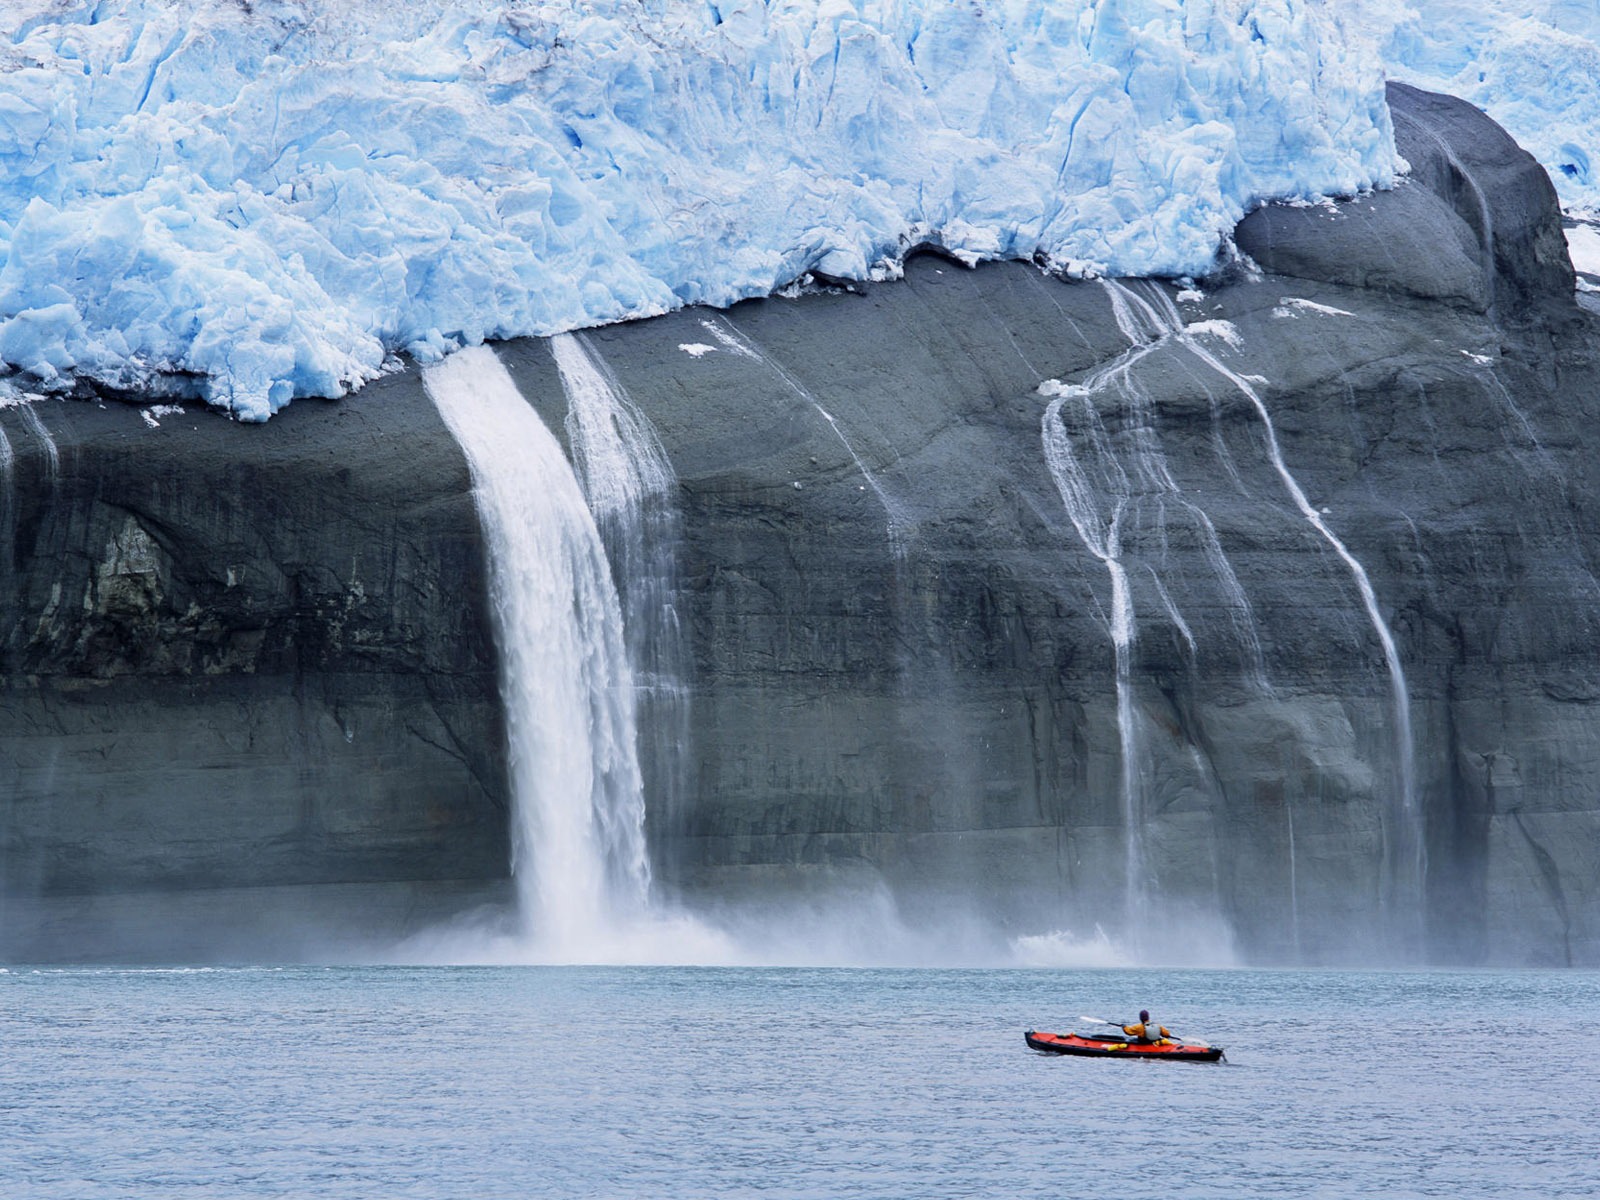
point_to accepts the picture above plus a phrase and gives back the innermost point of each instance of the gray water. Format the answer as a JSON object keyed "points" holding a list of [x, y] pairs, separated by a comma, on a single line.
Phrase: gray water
{"points": [[708, 1082]]}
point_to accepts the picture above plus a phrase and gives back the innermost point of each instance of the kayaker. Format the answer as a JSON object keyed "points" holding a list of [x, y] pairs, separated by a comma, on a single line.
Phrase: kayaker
{"points": [[1146, 1032]]}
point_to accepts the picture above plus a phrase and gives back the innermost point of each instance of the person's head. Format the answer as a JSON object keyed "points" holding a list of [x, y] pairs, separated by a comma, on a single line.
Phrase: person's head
{"points": [[1144, 1014]]}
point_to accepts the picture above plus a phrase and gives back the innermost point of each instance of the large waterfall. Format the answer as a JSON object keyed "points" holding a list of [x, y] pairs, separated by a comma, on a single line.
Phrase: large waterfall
{"points": [[579, 856], [578, 810]]}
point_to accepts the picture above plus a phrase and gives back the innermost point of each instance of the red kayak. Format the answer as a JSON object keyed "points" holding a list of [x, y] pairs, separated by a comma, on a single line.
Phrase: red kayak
{"points": [[1103, 1047]]}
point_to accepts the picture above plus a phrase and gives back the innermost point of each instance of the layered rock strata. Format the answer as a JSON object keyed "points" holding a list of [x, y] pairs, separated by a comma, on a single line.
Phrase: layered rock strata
{"points": [[258, 658]]}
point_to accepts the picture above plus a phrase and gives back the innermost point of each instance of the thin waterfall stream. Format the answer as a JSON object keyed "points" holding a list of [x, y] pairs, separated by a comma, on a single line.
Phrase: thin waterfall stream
{"points": [[737, 342], [7, 484], [1098, 493], [36, 426], [1100, 533], [1405, 848]]}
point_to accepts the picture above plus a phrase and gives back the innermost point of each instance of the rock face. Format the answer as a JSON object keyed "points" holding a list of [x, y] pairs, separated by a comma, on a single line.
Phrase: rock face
{"points": [[236, 657], [966, 612]]}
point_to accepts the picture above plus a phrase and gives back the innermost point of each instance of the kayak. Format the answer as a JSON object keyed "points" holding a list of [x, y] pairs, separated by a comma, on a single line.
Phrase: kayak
{"points": [[1104, 1047]]}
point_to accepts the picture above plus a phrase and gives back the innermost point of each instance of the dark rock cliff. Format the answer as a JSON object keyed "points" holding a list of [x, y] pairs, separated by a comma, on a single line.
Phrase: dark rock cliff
{"points": [[253, 665], [234, 657]]}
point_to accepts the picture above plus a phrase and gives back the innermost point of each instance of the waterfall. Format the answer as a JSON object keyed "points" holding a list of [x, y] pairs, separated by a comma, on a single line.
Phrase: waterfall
{"points": [[630, 487], [1101, 535], [578, 848], [620, 461], [1405, 849], [741, 344], [36, 426], [7, 486], [1148, 324], [1099, 495]]}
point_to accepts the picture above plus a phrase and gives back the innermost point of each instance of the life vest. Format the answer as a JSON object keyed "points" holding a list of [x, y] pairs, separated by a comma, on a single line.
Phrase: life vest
{"points": [[1151, 1032]]}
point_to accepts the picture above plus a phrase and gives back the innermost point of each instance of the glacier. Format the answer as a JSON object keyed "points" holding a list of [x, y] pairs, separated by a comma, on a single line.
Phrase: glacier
{"points": [[1532, 65], [252, 202], [247, 201]]}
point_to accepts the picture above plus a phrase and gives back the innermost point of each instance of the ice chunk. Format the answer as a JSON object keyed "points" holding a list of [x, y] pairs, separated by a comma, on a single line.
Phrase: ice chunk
{"points": [[1583, 242], [1225, 331], [1293, 306]]}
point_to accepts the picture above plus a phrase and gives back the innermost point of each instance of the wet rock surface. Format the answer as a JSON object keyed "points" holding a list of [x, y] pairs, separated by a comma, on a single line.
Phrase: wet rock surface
{"points": [[257, 658]]}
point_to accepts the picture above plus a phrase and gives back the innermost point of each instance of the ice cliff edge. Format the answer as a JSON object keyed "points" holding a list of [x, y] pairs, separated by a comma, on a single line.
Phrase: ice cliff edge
{"points": [[253, 202]]}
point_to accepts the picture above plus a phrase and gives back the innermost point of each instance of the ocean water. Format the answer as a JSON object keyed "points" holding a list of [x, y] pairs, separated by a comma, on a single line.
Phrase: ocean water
{"points": [[707, 1082]]}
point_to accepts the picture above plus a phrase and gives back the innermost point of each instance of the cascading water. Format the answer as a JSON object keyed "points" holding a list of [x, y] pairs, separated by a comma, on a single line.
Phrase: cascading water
{"points": [[619, 459], [8, 509], [578, 810], [36, 426], [1099, 495], [1404, 845], [1147, 324], [1405, 848], [1098, 504], [629, 485], [741, 344], [6, 483], [1100, 533]]}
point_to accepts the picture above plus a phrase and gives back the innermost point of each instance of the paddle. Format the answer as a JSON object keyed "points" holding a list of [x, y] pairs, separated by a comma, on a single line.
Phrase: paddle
{"points": [[1111, 1024]]}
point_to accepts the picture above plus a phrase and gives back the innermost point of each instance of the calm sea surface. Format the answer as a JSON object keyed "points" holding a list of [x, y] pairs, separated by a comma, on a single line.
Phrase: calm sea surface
{"points": [[659, 1082]]}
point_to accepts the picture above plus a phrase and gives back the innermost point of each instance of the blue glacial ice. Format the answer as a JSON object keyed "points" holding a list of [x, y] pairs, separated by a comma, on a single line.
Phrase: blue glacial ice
{"points": [[1532, 65], [253, 202]]}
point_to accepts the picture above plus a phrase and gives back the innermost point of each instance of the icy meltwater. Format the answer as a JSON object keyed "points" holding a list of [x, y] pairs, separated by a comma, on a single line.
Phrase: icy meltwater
{"points": [[657, 1082]]}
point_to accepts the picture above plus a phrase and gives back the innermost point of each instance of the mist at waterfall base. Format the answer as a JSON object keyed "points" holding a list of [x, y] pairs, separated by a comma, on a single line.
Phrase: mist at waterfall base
{"points": [[711, 1082]]}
